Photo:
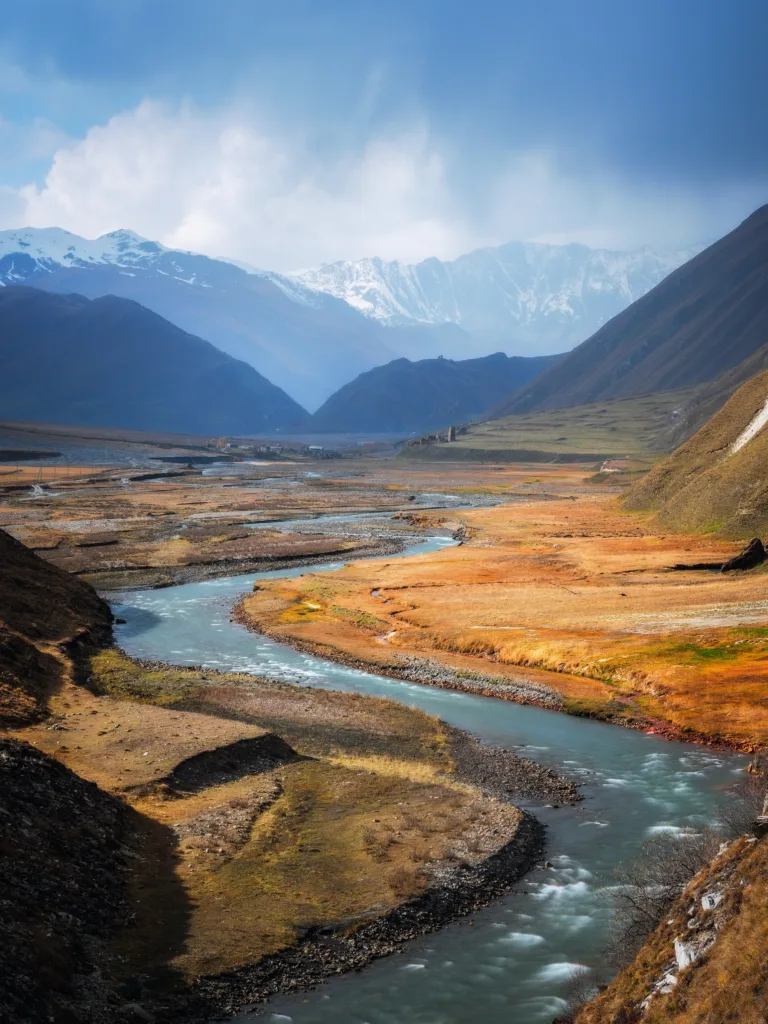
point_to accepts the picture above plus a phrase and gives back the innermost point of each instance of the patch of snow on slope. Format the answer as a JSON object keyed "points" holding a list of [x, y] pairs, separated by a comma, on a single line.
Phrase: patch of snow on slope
{"points": [[752, 429]]}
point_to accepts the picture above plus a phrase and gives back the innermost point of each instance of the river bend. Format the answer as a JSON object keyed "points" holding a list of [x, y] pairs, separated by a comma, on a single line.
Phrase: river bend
{"points": [[513, 964]]}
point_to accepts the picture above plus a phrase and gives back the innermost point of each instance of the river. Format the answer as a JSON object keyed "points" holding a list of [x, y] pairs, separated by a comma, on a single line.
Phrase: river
{"points": [[514, 962]]}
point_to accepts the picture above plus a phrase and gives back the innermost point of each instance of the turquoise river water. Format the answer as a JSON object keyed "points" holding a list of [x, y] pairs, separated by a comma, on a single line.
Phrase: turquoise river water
{"points": [[513, 965]]}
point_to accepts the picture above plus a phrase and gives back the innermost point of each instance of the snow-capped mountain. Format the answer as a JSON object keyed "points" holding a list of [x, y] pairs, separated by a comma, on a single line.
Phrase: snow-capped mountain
{"points": [[312, 331], [543, 297], [306, 342]]}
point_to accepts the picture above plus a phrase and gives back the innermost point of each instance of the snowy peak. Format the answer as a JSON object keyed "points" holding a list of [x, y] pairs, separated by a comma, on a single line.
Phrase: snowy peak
{"points": [[555, 295], [49, 246]]}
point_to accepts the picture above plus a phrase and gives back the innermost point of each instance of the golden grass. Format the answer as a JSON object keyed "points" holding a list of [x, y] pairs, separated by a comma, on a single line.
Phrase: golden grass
{"points": [[242, 868], [576, 594]]}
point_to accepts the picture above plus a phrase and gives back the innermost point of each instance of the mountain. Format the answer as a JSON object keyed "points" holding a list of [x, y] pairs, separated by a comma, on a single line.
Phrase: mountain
{"points": [[307, 343], [705, 318], [407, 397], [540, 298], [717, 479], [110, 362], [313, 331]]}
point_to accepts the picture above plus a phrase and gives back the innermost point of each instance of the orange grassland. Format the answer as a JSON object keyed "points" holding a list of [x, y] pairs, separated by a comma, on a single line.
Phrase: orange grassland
{"points": [[567, 590]]}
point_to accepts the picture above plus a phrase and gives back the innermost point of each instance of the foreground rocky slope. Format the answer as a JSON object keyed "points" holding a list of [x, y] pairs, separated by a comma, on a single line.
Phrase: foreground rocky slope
{"points": [[706, 963], [715, 481], [45, 614]]}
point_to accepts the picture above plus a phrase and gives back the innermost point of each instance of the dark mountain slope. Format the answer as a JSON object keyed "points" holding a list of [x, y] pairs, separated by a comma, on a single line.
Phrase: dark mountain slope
{"points": [[306, 349], [706, 317], [110, 362], [424, 395], [717, 480], [708, 398]]}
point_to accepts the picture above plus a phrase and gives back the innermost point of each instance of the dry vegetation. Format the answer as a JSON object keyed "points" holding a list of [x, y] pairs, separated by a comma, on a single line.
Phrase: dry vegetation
{"points": [[620, 427], [704, 486], [573, 593], [729, 983], [339, 827]]}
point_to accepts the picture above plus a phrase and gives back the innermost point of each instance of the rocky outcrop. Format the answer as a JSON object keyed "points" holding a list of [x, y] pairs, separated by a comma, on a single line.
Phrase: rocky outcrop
{"points": [[61, 886], [45, 615], [752, 555]]}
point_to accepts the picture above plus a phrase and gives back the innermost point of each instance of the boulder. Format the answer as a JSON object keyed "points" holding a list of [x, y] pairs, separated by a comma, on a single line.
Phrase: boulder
{"points": [[752, 555]]}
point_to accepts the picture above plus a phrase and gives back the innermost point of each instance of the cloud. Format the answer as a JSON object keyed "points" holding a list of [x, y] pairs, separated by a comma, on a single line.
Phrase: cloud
{"points": [[224, 184], [219, 184]]}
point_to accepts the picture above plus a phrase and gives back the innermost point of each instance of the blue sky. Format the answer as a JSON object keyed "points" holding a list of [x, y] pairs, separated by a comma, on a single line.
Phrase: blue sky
{"points": [[293, 133]]}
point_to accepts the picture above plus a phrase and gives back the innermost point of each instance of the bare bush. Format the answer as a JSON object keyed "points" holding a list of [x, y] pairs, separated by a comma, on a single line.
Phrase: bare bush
{"points": [[581, 989], [744, 804], [647, 886]]}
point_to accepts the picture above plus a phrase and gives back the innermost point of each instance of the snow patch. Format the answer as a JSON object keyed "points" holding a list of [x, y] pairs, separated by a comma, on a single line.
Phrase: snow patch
{"points": [[752, 429]]}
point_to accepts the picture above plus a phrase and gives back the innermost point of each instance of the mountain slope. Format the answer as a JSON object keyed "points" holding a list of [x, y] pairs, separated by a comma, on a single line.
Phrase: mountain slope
{"points": [[425, 395], [110, 362], [545, 297], [308, 344], [708, 398], [311, 332], [705, 318], [717, 479]]}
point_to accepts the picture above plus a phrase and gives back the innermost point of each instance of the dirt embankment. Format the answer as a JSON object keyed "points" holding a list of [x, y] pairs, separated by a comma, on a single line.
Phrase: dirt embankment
{"points": [[65, 864], [706, 961], [45, 614]]}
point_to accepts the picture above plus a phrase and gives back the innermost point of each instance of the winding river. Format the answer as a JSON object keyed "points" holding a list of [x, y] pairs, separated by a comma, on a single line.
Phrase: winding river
{"points": [[513, 962]]}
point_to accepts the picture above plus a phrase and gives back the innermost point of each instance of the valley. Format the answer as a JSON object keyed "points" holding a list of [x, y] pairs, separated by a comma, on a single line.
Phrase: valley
{"points": [[241, 718]]}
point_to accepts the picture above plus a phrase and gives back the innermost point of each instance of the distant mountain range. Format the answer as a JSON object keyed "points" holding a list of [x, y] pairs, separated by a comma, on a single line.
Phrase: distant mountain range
{"points": [[110, 362], [533, 298], [430, 394], [705, 318], [311, 332]]}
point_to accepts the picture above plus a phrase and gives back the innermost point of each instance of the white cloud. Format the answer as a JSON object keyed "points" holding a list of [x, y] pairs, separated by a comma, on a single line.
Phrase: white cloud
{"points": [[221, 184], [218, 184]]}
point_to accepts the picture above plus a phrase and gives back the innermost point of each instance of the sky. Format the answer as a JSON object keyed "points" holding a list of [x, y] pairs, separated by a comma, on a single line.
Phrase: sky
{"points": [[295, 133]]}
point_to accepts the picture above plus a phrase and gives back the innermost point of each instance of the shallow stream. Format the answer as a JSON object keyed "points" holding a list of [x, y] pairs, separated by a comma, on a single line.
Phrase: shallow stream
{"points": [[511, 963]]}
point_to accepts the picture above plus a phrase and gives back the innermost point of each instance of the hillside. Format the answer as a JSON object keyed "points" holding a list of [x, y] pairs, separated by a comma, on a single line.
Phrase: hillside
{"points": [[705, 400], [702, 320], [424, 395], [110, 362], [717, 479], [626, 427]]}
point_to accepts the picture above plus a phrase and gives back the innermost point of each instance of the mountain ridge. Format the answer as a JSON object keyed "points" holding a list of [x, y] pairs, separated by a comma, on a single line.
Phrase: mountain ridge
{"points": [[305, 339], [110, 362], [540, 294], [705, 318], [413, 396]]}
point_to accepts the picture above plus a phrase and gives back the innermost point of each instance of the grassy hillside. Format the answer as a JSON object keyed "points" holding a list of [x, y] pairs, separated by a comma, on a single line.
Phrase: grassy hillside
{"points": [[627, 427], [706, 486]]}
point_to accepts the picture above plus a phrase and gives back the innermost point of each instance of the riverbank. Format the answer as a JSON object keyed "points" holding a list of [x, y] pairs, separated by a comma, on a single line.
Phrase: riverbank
{"points": [[372, 824], [262, 814], [613, 621]]}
